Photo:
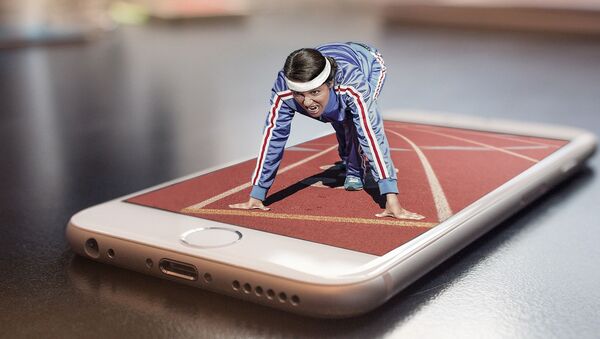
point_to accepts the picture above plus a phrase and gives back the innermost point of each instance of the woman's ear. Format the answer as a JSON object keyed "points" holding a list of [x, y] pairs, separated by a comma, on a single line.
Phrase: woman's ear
{"points": [[330, 84]]}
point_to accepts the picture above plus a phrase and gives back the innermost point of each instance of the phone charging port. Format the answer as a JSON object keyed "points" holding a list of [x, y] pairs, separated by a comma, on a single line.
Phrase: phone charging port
{"points": [[178, 269]]}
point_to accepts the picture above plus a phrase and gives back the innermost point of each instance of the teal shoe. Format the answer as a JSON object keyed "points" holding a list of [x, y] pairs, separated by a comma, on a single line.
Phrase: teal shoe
{"points": [[353, 184]]}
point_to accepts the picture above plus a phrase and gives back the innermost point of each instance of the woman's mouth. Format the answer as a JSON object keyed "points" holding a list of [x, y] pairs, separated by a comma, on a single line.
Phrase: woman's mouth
{"points": [[312, 109]]}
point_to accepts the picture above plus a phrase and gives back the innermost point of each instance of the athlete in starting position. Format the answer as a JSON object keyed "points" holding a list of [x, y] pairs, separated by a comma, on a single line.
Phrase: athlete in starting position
{"points": [[337, 83]]}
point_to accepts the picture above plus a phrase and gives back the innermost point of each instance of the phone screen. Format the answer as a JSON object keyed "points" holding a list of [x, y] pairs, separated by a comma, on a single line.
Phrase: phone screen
{"points": [[440, 171]]}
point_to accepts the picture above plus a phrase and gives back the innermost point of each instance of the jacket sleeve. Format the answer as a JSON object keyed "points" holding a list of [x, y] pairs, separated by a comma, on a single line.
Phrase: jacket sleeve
{"points": [[369, 126], [275, 135]]}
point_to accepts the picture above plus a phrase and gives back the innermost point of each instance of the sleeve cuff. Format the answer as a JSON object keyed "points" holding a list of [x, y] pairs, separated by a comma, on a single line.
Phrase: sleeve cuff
{"points": [[259, 192], [388, 186]]}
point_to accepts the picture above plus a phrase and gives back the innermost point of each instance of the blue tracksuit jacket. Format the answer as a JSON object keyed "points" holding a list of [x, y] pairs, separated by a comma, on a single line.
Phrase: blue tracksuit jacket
{"points": [[358, 80]]}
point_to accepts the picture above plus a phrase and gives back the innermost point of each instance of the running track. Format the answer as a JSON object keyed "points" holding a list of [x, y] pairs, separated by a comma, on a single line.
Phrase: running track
{"points": [[440, 171]]}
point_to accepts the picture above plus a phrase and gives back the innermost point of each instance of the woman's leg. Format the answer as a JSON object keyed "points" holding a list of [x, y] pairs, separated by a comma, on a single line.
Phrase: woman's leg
{"points": [[340, 134], [354, 160]]}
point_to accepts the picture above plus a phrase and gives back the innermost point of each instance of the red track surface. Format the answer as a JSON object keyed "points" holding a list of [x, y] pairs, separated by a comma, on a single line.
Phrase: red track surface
{"points": [[463, 166]]}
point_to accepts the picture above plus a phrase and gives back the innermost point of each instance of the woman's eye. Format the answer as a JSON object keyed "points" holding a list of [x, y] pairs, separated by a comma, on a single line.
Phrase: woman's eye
{"points": [[314, 92]]}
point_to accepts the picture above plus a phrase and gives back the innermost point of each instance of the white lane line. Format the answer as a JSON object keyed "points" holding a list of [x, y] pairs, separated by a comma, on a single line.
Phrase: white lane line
{"points": [[439, 197], [302, 149], [501, 136], [476, 143], [315, 144], [249, 184], [516, 138], [258, 214], [471, 148]]}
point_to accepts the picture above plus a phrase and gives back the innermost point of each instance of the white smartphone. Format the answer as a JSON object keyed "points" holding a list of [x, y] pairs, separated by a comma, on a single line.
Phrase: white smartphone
{"points": [[320, 250]]}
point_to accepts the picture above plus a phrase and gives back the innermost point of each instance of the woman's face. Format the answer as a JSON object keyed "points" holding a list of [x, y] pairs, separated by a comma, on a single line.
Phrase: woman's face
{"points": [[314, 101]]}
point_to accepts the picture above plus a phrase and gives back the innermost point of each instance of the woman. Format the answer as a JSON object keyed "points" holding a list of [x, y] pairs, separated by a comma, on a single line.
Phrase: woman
{"points": [[336, 83]]}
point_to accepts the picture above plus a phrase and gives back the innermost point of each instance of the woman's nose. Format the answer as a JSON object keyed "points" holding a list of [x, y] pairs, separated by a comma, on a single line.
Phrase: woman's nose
{"points": [[307, 101]]}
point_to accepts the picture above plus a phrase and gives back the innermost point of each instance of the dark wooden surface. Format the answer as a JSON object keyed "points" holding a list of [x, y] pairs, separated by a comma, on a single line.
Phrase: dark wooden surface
{"points": [[84, 123]]}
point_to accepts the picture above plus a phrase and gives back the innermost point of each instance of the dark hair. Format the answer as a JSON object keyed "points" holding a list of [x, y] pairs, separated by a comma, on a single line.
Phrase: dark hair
{"points": [[305, 64]]}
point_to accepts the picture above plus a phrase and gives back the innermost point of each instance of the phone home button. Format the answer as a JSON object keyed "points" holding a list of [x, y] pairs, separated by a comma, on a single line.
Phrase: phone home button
{"points": [[210, 237]]}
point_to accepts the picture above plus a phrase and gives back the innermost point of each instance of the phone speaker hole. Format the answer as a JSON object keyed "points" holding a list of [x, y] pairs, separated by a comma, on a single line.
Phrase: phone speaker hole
{"points": [[91, 248], [258, 291], [149, 263], [110, 253], [207, 277]]}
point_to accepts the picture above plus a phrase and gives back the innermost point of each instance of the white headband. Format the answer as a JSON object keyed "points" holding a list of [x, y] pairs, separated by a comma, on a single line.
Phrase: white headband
{"points": [[314, 83]]}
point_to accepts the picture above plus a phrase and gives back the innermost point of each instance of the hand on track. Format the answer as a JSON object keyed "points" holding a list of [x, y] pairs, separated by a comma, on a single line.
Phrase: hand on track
{"points": [[402, 214], [393, 209], [251, 204]]}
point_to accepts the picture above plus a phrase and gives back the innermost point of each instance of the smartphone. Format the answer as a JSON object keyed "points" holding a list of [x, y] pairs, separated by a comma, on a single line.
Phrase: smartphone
{"points": [[320, 250]]}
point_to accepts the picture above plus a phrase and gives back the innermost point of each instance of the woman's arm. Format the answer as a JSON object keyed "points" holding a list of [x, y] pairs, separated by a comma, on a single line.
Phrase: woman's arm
{"points": [[275, 135]]}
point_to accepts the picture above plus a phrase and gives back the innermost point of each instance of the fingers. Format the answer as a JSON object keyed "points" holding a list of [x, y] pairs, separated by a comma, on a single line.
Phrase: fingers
{"points": [[410, 215], [384, 214], [401, 215], [247, 206]]}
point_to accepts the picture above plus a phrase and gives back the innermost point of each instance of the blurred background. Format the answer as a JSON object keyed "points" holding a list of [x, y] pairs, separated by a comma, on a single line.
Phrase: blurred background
{"points": [[44, 21], [181, 59], [100, 98], [51, 21]]}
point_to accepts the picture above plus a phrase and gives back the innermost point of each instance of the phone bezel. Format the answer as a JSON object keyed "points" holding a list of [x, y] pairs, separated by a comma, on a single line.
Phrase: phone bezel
{"points": [[312, 263]]}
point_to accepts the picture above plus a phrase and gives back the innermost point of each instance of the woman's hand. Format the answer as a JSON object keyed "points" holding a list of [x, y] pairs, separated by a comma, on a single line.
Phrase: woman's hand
{"points": [[393, 209], [252, 204]]}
